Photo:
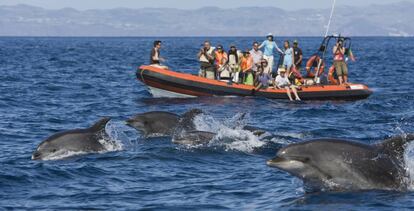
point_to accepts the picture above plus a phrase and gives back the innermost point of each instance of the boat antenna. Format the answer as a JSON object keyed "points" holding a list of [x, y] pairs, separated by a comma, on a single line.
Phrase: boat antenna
{"points": [[330, 18], [317, 79]]}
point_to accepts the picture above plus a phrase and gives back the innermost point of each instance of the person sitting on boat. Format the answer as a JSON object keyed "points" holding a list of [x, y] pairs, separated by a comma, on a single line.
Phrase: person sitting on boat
{"points": [[262, 80], [234, 63], [295, 78], [282, 82], [257, 55], [247, 68], [288, 58], [339, 62], [155, 58], [206, 58], [269, 47], [298, 56]]}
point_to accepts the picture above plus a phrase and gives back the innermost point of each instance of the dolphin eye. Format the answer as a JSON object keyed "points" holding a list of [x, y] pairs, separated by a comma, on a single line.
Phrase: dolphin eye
{"points": [[145, 122]]}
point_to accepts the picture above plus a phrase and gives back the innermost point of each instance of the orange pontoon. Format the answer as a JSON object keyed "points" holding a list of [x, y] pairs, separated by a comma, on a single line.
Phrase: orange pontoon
{"points": [[168, 83]]}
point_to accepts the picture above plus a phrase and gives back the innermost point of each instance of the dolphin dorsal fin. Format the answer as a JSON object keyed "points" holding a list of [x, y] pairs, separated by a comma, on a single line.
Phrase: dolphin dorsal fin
{"points": [[186, 122], [100, 125], [396, 145], [189, 115]]}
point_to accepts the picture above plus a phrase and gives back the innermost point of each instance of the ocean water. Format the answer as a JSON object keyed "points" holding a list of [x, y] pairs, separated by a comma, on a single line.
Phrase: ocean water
{"points": [[54, 84]]}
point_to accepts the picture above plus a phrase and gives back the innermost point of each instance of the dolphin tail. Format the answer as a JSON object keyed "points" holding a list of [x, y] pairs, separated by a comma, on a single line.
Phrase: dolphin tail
{"points": [[100, 125], [396, 145]]}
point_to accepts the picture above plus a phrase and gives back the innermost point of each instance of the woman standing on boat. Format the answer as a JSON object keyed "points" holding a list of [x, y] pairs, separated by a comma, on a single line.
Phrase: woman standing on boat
{"points": [[269, 47], [288, 59]]}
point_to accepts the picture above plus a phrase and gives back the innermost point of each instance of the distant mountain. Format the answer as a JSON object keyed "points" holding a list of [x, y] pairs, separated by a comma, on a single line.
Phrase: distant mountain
{"points": [[375, 20]]}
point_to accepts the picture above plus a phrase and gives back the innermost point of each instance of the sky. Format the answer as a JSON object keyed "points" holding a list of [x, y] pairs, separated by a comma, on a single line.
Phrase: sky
{"points": [[191, 4]]}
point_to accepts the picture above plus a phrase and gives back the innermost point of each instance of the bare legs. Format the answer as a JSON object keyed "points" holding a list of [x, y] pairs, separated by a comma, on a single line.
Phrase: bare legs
{"points": [[295, 92], [343, 79]]}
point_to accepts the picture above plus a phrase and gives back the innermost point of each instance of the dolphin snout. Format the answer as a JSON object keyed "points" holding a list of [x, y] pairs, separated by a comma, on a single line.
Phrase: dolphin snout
{"points": [[276, 161], [128, 122], [36, 155]]}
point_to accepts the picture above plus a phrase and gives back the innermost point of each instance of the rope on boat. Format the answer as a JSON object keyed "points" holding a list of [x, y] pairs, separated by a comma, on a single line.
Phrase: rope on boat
{"points": [[142, 76]]}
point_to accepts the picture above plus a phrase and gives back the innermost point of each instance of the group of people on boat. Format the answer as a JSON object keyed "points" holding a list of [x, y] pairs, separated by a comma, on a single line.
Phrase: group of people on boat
{"points": [[255, 67]]}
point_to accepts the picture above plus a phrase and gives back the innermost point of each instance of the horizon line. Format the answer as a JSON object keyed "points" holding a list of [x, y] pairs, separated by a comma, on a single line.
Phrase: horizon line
{"points": [[198, 8], [195, 36]]}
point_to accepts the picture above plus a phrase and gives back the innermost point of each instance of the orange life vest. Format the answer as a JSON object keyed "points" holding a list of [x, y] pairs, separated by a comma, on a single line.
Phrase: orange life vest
{"points": [[246, 63], [221, 58]]}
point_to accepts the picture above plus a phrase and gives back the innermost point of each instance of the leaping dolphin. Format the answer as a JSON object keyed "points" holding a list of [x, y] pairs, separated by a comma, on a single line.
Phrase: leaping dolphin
{"points": [[333, 164], [77, 141], [160, 123]]}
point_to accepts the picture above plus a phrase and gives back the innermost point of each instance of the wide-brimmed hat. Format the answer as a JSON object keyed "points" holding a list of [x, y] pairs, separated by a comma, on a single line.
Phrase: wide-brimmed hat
{"points": [[269, 35]]}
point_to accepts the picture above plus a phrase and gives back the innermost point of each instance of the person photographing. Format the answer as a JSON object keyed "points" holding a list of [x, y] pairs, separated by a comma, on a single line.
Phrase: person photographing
{"points": [[206, 57], [339, 62]]}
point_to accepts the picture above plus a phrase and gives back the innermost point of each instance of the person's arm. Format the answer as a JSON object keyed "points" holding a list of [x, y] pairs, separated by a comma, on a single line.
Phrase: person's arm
{"points": [[335, 48], [210, 57], [293, 58], [154, 55], [277, 47], [251, 63], [300, 57], [200, 53], [262, 45], [342, 50], [225, 58]]}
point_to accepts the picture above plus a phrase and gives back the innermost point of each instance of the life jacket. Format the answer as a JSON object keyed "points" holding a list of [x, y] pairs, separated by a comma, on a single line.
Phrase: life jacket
{"points": [[203, 58], [246, 62], [220, 57]]}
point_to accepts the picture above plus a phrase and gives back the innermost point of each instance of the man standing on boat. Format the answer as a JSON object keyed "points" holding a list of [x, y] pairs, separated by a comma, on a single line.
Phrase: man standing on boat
{"points": [[257, 56], [297, 52], [206, 57], [339, 62]]}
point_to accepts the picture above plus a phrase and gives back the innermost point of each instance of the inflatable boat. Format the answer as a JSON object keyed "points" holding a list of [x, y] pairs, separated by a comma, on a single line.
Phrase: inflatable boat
{"points": [[168, 83]]}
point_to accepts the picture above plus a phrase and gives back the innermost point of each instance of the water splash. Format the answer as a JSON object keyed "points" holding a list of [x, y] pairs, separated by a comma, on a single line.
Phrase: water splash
{"points": [[230, 135], [409, 165]]}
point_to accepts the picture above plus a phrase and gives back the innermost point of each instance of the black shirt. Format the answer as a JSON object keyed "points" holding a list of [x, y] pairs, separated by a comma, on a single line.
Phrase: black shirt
{"points": [[297, 52]]}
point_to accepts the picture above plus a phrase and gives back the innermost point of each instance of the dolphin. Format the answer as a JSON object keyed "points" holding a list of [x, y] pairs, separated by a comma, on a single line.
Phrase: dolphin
{"points": [[338, 165], [77, 140], [160, 123], [193, 138]]}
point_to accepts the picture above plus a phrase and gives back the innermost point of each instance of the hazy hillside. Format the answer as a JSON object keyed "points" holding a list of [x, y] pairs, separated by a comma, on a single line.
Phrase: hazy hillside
{"points": [[380, 20]]}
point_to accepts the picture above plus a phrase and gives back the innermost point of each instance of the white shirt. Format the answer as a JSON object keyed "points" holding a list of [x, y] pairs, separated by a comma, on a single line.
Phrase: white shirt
{"points": [[282, 81]]}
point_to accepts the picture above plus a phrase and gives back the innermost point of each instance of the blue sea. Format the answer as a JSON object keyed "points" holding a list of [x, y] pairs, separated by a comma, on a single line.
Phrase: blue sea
{"points": [[54, 84]]}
